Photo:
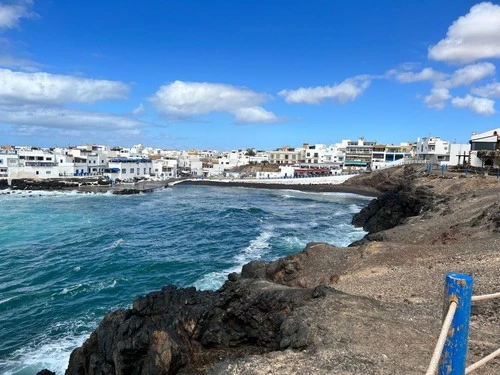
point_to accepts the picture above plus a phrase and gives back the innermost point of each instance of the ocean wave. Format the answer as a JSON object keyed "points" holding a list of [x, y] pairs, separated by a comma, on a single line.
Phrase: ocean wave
{"points": [[93, 287], [254, 251], [115, 245], [49, 350], [234, 211], [6, 300]]}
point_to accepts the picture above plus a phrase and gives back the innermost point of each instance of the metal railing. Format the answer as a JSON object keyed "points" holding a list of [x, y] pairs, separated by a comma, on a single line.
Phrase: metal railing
{"points": [[450, 353]]}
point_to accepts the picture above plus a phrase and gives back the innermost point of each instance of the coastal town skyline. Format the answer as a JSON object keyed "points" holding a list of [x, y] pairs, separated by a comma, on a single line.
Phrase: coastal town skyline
{"points": [[220, 75]]}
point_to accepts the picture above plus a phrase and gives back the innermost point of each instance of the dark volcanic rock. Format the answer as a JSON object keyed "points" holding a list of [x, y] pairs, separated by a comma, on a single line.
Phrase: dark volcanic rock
{"points": [[391, 208], [175, 329], [45, 372], [4, 184], [132, 191], [27, 184]]}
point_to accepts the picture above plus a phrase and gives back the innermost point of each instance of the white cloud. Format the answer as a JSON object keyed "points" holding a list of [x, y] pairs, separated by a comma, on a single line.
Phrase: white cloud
{"points": [[185, 99], [468, 75], [60, 118], [426, 74], [139, 110], [45, 88], [254, 115], [437, 98], [7, 61], [471, 37], [480, 106], [489, 91], [11, 14], [348, 90]]}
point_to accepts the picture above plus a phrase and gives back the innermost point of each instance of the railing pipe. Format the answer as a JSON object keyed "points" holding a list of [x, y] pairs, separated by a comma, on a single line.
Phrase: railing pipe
{"points": [[453, 358]]}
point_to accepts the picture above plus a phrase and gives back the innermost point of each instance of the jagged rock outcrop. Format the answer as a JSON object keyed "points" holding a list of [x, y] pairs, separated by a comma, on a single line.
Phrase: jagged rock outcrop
{"points": [[393, 207], [175, 329]]}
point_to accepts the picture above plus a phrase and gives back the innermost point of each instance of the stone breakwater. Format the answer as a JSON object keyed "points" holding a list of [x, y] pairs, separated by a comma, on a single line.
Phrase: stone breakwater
{"points": [[372, 308], [319, 180]]}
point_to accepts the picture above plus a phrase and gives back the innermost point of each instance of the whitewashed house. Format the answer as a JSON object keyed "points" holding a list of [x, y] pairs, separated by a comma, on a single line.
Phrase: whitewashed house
{"points": [[34, 163], [433, 150], [129, 169], [165, 168], [8, 159], [485, 148]]}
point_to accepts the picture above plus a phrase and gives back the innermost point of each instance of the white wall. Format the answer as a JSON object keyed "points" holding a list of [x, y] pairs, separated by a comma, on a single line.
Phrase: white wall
{"points": [[458, 149]]}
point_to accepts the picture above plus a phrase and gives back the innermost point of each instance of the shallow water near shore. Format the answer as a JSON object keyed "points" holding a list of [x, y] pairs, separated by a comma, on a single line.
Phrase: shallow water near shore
{"points": [[67, 258]]}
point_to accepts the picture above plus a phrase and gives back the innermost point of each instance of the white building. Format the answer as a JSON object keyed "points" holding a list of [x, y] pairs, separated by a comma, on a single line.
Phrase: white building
{"points": [[433, 150], [485, 148], [8, 159], [459, 154], [285, 172], [34, 163], [129, 169], [165, 168], [386, 156], [358, 154], [287, 155]]}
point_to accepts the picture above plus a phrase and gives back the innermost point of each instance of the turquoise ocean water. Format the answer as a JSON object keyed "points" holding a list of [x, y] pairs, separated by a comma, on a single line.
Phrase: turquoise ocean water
{"points": [[67, 258]]}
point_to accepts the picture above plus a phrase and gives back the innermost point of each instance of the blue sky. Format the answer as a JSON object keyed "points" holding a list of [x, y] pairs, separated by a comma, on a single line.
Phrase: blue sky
{"points": [[220, 74]]}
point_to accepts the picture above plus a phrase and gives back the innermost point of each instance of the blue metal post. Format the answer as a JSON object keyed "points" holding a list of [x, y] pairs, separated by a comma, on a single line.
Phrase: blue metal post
{"points": [[454, 355]]}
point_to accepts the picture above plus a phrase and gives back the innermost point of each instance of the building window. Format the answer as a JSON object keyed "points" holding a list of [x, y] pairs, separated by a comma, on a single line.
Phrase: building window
{"points": [[47, 172], [37, 172], [131, 170]]}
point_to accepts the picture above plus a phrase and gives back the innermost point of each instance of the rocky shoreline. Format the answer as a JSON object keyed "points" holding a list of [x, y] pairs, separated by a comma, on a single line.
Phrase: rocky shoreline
{"points": [[372, 308], [82, 186]]}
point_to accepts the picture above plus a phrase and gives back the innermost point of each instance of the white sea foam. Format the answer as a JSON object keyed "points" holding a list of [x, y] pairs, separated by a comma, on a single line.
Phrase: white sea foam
{"points": [[70, 289], [254, 251], [49, 352], [293, 242], [103, 285], [354, 208], [115, 244], [94, 287], [6, 300]]}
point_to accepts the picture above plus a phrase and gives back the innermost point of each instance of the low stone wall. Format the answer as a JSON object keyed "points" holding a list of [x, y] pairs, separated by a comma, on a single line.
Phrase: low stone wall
{"points": [[326, 180]]}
